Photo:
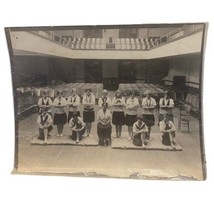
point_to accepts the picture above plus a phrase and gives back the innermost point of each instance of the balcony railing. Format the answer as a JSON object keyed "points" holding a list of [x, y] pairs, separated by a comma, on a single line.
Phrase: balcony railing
{"points": [[77, 43]]}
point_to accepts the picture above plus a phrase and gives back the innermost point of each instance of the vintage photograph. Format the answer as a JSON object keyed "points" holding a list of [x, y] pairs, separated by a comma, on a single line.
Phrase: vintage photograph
{"points": [[122, 101]]}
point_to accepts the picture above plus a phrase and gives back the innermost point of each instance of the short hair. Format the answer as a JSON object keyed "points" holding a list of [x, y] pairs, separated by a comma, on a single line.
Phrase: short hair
{"points": [[45, 92], [118, 91], [105, 104], [147, 92], [105, 91], [59, 92], [166, 115], [88, 89], [131, 93], [73, 89], [140, 116]]}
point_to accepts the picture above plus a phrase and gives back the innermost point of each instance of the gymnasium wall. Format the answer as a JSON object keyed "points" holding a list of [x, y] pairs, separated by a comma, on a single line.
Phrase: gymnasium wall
{"points": [[188, 66], [31, 69]]}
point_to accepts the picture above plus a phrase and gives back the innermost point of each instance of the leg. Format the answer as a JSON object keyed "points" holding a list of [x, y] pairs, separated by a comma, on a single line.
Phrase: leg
{"points": [[130, 132], [78, 137], [86, 129], [41, 134], [89, 128], [149, 131], [99, 133], [119, 131], [46, 135], [143, 139], [60, 129], [171, 138]]}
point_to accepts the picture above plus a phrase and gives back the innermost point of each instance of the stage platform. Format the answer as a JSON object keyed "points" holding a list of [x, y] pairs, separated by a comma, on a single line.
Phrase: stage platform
{"points": [[124, 143], [65, 140], [154, 144]]}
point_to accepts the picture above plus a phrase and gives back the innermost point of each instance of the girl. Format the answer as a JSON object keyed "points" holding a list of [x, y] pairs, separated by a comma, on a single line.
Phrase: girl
{"points": [[132, 104], [167, 129], [73, 103], [139, 132], [104, 127], [60, 117], [45, 124], [45, 101], [166, 106], [118, 116], [88, 113], [104, 99], [77, 126], [149, 105]]}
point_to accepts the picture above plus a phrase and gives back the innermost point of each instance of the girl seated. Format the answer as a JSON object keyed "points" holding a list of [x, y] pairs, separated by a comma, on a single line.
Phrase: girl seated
{"points": [[45, 124], [77, 127], [104, 127], [140, 131], [167, 129]]}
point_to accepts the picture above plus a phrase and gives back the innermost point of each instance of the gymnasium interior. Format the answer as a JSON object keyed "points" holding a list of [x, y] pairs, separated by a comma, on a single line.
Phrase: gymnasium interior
{"points": [[129, 58]]}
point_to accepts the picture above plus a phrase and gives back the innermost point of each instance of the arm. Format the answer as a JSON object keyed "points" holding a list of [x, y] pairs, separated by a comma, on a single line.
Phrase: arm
{"points": [[84, 100], [144, 104], [109, 102], [69, 103], [48, 122], [63, 102], [171, 103], [100, 102], [172, 127], [77, 102], [162, 126], [55, 103], [39, 120], [153, 104], [93, 100], [161, 103], [135, 130], [145, 129]]}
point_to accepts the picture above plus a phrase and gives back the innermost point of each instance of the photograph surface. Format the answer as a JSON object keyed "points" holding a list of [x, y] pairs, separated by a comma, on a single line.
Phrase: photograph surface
{"points": [[121, 101]]}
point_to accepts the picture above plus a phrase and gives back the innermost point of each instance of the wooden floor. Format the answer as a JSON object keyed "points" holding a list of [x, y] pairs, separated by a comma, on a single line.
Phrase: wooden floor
{"points": [[105, 161]]}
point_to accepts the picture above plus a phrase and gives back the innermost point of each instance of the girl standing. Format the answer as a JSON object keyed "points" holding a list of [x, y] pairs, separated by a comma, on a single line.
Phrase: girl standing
{"points": [[88, 113], [149, 105], [132, 104], [104, 125], [118, 116], [45, 102], [166, 106], [73, 103], [60, 117]]}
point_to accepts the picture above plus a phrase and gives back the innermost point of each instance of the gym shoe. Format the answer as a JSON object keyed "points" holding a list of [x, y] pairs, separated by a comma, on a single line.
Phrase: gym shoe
{"points": [[129, 138], [144, 146], [60, 135]]}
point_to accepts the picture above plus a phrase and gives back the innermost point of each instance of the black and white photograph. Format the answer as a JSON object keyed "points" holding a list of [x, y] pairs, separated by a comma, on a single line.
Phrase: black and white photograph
{"points": [[121, 101]]}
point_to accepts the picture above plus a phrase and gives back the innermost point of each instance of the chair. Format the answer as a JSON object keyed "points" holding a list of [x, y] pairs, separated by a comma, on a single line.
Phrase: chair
{"points": [[184, 117]]}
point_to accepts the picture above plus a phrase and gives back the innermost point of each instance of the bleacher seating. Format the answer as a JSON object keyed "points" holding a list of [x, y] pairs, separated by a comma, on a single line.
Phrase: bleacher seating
{"points": [[100, 43], [140, 89]]}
